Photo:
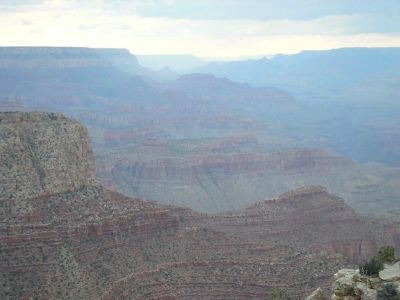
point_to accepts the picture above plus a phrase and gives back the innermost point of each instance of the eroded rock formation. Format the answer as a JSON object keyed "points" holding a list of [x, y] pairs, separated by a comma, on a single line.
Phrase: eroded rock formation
{"points": [[42, 154], [62, 236], [307, 218]]}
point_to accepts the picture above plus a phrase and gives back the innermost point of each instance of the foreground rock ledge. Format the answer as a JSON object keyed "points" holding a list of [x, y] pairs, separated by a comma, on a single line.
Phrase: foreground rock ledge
{"points": [[349, 284]]}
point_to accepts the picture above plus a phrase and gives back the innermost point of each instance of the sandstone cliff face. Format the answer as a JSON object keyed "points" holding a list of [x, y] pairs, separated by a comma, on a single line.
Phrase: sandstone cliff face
{"points": [[62, 236], [56, 223], [42, 154]]}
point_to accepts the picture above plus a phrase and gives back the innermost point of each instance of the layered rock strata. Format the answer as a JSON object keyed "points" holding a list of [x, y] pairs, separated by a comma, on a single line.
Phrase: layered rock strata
{"points": [[306, 218], [62, 236], [213, 181]]}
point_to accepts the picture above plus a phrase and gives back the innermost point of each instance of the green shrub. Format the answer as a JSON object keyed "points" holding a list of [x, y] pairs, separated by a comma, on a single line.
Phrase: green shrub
{"points": [[386, 254], [388, 292], [280, 295], [371, 267]]}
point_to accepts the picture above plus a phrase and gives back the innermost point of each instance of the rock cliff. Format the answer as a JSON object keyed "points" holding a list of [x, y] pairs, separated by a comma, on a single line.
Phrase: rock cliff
{"points": [[221, 176], [58, 228], [63, 236], [42, 154]]}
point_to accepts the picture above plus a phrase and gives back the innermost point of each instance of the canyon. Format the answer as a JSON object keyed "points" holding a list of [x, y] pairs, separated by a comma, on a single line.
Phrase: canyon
{"points": [[206, 142], [64, 236], [353, 92]]}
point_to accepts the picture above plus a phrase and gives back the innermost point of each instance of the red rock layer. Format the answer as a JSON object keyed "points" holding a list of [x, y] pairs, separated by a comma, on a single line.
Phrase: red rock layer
{"points": [[72, 239], [94, 243], [307, 218], [292, 162]]}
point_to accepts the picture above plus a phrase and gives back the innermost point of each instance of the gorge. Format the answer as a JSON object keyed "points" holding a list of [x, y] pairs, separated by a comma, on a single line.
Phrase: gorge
{"points": [[64, 236]]}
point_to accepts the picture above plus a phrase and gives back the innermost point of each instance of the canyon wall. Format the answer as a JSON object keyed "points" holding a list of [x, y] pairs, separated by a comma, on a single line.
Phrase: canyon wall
{"points": [[63, 236], [201, 141], [224, 175]]}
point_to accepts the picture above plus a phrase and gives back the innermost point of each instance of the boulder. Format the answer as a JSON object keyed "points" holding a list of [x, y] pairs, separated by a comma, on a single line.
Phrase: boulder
{"points": [[344, 287], [344, 282], [364, 292], [346, 273], [391, 272]]}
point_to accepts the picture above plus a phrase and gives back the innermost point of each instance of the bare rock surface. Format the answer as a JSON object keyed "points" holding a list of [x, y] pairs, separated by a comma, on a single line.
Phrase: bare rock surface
{"points": [[391, 272], [42, 154], [349, 284]]}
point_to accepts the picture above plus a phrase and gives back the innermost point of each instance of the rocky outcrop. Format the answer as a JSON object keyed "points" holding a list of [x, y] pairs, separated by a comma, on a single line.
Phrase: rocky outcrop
{"points": [[349, 284], [59, 230], [42, 154], [391, 272]]}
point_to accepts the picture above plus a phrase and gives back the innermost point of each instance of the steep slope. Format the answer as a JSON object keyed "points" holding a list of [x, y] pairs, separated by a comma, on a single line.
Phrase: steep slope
{"points": [[62, 236], [35, 159]]}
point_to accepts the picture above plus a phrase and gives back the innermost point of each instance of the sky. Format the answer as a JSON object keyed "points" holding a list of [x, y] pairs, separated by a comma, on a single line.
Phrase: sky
{"points": [[206, 28]]}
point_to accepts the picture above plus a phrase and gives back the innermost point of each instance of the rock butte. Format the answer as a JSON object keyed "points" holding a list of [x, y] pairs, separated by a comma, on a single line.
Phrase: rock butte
{"points": [[63, 236]]}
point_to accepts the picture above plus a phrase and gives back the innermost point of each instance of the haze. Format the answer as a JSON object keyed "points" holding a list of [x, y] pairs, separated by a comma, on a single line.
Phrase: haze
{"points": [[208, 149], [212, 29]]}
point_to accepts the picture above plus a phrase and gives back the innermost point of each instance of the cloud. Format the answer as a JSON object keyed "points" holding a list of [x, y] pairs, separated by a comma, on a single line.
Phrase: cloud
{"points": [[119, 23], [265, 9]]}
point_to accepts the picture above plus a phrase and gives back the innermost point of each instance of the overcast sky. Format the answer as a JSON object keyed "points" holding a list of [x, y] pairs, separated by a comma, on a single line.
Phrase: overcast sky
{"points": [[206, 28]]}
